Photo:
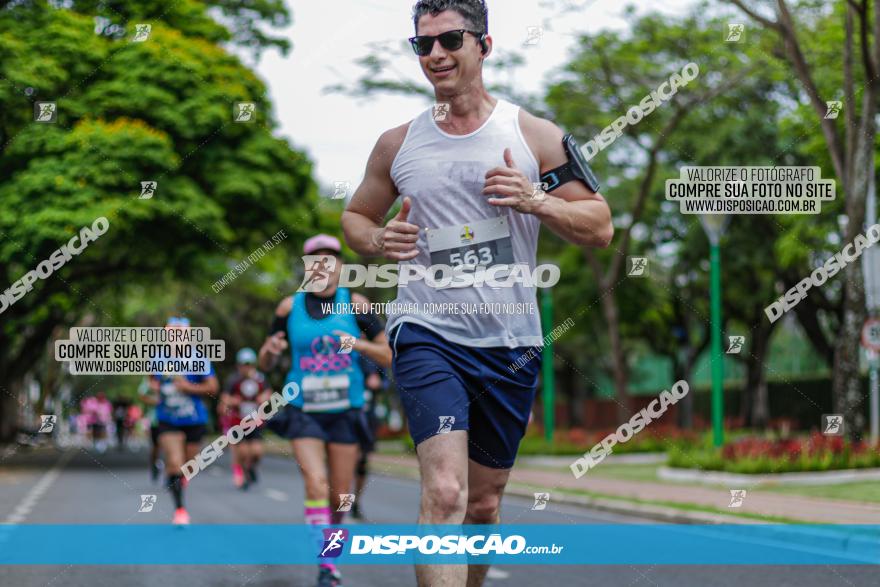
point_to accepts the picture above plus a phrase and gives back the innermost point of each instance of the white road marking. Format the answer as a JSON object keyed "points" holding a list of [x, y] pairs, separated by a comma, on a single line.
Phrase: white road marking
{"points": [[276, 495], [24, 507], [496, 574]]}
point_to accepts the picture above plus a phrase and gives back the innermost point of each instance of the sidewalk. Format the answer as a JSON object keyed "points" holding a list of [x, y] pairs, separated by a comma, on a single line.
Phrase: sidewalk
{"points": [[756, 503]]}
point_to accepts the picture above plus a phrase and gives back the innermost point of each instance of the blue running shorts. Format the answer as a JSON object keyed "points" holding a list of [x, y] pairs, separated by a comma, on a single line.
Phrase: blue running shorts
{"points": [[445, 386]]}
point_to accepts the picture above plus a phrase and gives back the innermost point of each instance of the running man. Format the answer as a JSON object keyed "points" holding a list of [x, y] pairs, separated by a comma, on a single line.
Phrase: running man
{"points": [[324, 421], [243, 394], [182, 417], [468, 183]]}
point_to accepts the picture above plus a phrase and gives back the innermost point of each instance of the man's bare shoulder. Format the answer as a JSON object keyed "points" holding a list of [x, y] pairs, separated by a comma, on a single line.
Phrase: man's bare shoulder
{"points": [[539, 128], [543, 137], [389, 143]]}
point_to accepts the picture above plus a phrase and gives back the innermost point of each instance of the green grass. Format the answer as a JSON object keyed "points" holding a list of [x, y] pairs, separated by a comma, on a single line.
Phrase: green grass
{"points": [[646, 472], [866, 491], [533, 445]]}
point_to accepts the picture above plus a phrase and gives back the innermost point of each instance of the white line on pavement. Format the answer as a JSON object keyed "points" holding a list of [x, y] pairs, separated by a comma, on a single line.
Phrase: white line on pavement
{"points": [[42, 486], [276, 495]]}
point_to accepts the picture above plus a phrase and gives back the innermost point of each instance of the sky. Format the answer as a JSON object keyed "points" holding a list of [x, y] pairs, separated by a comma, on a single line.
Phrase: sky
{"points": [[339, 131]]}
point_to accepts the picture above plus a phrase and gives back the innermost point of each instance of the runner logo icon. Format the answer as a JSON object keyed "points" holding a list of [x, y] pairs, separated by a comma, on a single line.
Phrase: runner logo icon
{"points": [[638, 265], [47, 423], [244, 111], [341, 190], [832, 424], [147, 503], [148, 188], [834, 107], [440, 111], [45, 112], [318, 270], [737, 497], [446, 423], [334, 540], [346, 500], [736, 344], [346, 344], [541, 500], [141, 32], [734, 32]]}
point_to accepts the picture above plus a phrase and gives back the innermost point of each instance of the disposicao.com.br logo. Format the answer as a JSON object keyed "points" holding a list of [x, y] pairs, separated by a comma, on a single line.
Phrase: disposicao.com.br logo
{"points": [[432, 544], [320, 268]]}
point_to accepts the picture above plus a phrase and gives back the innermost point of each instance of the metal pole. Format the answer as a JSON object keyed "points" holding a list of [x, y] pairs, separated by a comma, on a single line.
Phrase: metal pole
{"points": [[875, 401], [717, 353], [549, 386]]}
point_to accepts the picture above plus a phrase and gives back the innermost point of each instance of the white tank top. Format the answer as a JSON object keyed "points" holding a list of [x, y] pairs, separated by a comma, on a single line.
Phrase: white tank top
{"points": [[444, 175]]}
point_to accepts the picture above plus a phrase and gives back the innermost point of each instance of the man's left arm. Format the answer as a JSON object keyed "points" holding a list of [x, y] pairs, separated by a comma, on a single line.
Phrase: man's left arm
{"points": [[572, 211]]}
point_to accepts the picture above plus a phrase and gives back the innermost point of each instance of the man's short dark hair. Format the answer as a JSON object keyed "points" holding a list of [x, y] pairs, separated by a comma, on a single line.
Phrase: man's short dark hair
{"points": [[475, 13]]}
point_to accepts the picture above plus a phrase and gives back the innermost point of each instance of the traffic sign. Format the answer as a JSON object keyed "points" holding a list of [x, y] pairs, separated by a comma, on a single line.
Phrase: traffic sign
{"points": [[871, 334]]}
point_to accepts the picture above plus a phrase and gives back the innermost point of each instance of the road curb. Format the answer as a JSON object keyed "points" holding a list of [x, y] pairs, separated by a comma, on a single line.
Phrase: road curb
{"points": [[743, 480], [648, 511]]}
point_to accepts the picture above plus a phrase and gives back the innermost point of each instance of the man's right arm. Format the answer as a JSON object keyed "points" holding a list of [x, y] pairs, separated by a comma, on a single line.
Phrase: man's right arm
{"points": [[363, 218]]}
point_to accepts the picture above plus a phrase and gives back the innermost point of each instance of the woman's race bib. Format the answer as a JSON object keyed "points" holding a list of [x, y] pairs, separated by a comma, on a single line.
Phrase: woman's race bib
{"points": [[325, 393]]}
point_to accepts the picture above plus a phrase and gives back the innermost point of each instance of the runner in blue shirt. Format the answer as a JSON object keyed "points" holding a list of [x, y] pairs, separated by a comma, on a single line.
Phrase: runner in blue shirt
{"points": [[181, 417], [326, 420]]}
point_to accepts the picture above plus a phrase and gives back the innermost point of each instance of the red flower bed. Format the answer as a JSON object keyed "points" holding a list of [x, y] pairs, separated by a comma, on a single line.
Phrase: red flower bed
{"points": [[815, 445]]}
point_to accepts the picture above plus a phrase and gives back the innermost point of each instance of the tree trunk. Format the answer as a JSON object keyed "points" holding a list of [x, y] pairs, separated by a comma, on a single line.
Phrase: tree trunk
{"points": [[618, 358], [9, 410], [747, 399], [756, 412], [847, 391]]}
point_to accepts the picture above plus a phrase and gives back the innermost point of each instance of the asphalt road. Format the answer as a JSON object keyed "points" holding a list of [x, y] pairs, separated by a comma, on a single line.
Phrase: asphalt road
{"points": [[84, 487]]}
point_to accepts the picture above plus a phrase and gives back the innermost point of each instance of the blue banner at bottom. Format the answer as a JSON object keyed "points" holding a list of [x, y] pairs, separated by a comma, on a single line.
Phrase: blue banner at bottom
{"points": [[526, 544]]}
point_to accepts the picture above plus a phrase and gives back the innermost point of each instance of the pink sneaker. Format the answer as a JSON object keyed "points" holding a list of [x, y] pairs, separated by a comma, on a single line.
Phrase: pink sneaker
{"points": [[237, 475], [181, 517]]}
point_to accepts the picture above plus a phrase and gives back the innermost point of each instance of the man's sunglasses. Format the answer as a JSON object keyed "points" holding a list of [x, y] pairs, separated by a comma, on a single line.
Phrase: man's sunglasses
{"points": [[450, 40]]}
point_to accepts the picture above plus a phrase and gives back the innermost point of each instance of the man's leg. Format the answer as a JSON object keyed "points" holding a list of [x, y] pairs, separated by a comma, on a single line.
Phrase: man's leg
{"points": [[485, 488], [443, 464]]}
